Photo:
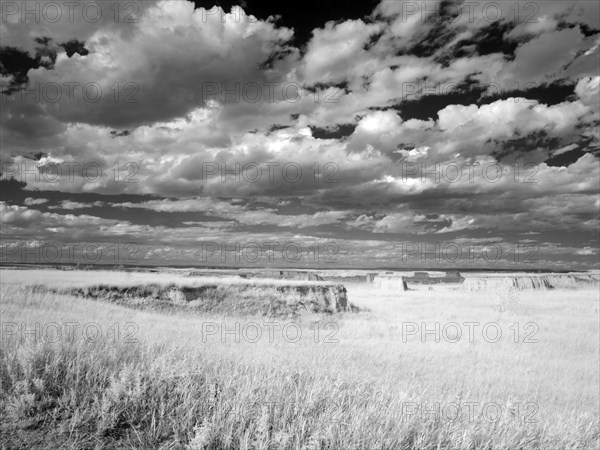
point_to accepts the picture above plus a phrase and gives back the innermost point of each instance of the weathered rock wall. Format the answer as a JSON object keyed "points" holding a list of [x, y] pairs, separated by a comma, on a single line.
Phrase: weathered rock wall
{"points": [[271, 274], [229, 300], [287, 275], [537, 282], [370, 277], [449, 278], [390, 282]]}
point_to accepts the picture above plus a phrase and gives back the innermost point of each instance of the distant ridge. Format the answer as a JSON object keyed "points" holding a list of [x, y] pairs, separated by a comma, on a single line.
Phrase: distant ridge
{"points": [[101, 266]]}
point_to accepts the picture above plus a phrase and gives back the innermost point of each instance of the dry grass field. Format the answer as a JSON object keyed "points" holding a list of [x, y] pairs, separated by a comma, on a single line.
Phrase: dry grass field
{"points": [[421, 369]]}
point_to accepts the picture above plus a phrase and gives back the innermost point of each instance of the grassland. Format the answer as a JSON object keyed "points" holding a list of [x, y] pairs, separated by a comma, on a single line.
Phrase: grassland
{"points": [[344, 381]]}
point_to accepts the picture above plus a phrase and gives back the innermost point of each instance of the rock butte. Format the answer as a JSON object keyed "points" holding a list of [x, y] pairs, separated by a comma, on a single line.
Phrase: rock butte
{"points": [[273, 274], [390, 282], [452, 276], [487, 282], [285, 274], [266, 300], [520, 282]]}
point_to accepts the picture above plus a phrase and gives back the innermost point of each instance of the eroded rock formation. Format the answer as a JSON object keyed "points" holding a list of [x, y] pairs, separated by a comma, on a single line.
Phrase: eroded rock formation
{"points": [[390, 282], [288, 275], [539, 282], [301, 275], [371, 277], [424, 278], [251, 299]]}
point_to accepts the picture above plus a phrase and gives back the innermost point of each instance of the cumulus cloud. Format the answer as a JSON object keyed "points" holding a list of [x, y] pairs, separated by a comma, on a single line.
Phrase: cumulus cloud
{"points": [[133, 78], [239, 213], [30, 201], [336, 52], [67, 204]]}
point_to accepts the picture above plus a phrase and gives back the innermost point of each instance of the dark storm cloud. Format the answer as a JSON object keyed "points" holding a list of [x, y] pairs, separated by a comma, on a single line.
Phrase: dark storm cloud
{"points": [[15, 63], [337, 132], [116, 134], [74, 46]]}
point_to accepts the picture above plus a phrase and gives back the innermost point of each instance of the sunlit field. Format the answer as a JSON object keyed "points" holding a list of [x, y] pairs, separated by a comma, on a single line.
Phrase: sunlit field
{"points": [[429, 368]]}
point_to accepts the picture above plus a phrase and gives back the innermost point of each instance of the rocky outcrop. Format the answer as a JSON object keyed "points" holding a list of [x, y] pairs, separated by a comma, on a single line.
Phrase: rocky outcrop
{"points": [[301, 275], [316, 299], [572, 280], [454, 276], [250, 299], [371, 277], [537, 282], [390, 282], [288, 275], [424, 278]]}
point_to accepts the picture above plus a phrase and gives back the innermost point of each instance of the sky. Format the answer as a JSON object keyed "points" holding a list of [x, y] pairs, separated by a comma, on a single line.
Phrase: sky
{"points": [[311, 134]]}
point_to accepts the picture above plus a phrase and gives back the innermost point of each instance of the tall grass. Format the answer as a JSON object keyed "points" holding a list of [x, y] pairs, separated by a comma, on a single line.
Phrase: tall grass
{"points": [[174, 389], [57, 279]]}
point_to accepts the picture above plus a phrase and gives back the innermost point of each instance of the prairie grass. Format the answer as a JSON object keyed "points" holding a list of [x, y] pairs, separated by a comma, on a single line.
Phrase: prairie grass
{"points": [[57, 279], [168, 292], [361, 383]]}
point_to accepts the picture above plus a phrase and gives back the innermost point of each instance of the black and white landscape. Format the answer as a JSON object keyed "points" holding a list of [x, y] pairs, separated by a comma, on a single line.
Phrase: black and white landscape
{"points": [[314, 225]]}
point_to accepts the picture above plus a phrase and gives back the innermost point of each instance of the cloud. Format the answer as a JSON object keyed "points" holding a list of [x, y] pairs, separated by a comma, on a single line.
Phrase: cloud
{"points": [[239, 213], [67, 204], [543, 58], [586, 251], [135, 78], [336, 52], [388, 107], [588, 91], [30, 201]]}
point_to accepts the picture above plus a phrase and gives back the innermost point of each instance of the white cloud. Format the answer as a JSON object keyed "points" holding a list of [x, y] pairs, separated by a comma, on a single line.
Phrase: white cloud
{"points": [[336, 52], [68, 204], [30, 201]]}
